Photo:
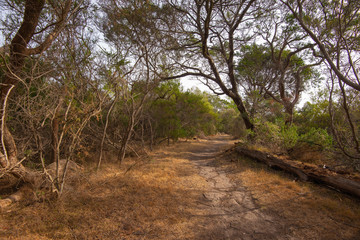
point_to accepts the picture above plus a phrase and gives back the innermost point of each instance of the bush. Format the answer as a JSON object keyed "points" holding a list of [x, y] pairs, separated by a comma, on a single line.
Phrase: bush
{"points": [[318, 137], [289, 136], [280, 136], [266, 134]]}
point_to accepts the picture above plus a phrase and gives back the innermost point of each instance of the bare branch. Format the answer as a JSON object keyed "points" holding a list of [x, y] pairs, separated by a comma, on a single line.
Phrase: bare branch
{"points": [[3, 125]]}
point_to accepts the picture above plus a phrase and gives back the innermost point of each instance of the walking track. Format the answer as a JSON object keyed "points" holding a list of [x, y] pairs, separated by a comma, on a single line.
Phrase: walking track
{"points": [[232, 213]]}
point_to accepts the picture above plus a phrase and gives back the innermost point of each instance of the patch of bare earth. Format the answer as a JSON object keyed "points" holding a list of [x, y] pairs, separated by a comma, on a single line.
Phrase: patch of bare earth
{"points": [[190, 190]]}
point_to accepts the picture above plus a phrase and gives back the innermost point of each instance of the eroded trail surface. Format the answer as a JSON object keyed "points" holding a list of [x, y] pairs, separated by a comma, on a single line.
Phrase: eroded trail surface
{"points": [[233, 213]]}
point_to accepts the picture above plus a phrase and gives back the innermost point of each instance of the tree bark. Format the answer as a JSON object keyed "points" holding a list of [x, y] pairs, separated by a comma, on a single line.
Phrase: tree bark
{"points": [[126, 138], [289, 110], [105, 129]]}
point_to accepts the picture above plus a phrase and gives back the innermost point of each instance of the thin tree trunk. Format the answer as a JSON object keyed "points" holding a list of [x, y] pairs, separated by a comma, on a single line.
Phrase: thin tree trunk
{"points": [[348, 117], [126, 138], [151, 135], [55, 139], [104, 133], [142, 134]]}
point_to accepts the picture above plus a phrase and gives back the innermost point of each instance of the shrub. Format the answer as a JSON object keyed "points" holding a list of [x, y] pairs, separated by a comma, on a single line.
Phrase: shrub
{"points": [[279, 136], [266, 134], [289, 136], [318, 137]]}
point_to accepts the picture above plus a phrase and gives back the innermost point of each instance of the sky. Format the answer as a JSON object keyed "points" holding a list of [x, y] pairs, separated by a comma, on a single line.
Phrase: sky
{"points": [[191, 82]]}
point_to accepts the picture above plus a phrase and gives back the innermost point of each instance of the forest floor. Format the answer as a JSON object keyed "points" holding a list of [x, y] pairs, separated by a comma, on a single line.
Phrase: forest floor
{"points": [[189, 190]]}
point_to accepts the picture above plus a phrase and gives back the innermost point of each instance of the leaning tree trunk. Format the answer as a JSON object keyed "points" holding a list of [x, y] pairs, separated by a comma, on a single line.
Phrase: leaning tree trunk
{"points": [[104, 133], [244, 113], [126, 138]]}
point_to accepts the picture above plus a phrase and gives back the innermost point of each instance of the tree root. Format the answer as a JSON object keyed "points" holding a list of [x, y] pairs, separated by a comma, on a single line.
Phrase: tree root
{"points": [[34, 181], [21, 194]]}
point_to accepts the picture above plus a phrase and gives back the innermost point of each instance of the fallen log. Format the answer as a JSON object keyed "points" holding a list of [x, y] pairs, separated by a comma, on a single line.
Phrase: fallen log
{"points": [[304, 172], [340, 183], [272, 161]]}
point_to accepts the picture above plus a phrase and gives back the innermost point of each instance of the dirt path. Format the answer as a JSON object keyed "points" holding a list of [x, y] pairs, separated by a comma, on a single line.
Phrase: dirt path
{"points": [[232, 213], [190, 190]]}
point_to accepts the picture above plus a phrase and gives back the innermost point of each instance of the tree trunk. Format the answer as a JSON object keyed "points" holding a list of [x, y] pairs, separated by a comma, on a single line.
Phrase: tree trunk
{"points": [[126, 138], [289, 111], [151, 135], [18, 53], [244, 114], [104, 133]]}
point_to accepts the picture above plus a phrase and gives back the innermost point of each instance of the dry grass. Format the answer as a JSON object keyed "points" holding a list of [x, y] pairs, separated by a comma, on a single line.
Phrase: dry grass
{"points": [[154, 200], [307, 211]]}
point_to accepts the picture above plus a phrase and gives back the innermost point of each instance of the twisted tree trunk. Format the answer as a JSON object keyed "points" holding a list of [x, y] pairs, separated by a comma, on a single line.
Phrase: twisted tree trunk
{"points": [[19, 51]]}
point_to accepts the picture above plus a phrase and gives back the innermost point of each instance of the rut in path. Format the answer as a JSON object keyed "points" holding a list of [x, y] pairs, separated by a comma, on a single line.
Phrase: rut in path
{"points": [[232, 211]]}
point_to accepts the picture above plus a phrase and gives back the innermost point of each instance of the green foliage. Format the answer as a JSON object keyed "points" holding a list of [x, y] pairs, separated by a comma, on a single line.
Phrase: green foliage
{"points": [[230, 120], [278, 135], [178, 113], [318, 137], [253, 61], [313, 115], [266, 132], [289, 135], [257, 60], [270, 74]]}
